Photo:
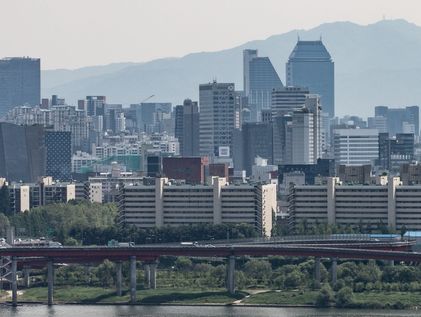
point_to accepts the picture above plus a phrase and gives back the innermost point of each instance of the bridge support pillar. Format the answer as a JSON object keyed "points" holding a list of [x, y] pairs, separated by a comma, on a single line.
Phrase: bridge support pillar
{"points": [[147, 275], [14, 282], [27, 277], [334, 271], [133, 284], [231, 274], [119, 278], [317, 272], [50, 281], [153, 267]]}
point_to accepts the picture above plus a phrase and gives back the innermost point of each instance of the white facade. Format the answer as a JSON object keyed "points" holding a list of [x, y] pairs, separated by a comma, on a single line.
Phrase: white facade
{"points": [[356, 146], [390, 205], [163, 204], [217, 116]]}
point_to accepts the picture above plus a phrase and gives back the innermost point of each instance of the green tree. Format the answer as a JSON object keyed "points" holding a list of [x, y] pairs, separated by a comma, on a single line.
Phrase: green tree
{"points": [[344, 297], [325, 296], [183, 263], [294, 279], [259, 270]]}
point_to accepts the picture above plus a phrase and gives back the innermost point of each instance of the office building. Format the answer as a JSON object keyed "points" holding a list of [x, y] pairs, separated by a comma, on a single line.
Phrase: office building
{"points": [[150, 116], [323, 167], [310, 65], [260, 78], [20, 83], [400, 120], [253, 140], [356, 146], [395, 151], [187, 127], [189, 169], [59, 154], [217, 117], [22, 152], [288, 99], [410, 173], [371, 207], [166, 204], [95, 105], [379, 123], [354, 174], [304, 133]]}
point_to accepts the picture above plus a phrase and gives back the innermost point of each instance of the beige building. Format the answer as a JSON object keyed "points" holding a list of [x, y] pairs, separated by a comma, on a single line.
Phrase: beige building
{"points": [[163, 204], [393, 204]]}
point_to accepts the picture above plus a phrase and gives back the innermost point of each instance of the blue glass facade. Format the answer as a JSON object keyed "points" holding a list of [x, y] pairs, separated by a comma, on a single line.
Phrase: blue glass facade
{"points": [[260, 78], [311, 66]]}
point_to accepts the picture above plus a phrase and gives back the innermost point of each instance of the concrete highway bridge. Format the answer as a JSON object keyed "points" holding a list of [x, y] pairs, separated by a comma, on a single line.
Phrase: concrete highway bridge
{"points": [[26, 257]]}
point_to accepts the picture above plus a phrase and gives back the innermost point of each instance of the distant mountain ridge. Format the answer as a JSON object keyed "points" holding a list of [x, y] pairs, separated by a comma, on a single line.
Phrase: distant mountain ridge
{"points": [[377, 64]]}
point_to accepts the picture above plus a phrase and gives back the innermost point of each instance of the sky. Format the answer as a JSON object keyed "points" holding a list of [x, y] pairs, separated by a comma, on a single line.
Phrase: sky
{"points": [[77, 33]]}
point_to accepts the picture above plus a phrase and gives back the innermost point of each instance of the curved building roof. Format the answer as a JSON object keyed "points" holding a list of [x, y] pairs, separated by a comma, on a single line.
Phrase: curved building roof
{"points": [[310, 50]]}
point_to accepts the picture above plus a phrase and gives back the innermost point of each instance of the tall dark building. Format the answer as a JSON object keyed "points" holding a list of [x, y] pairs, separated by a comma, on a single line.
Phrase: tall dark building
{"points": [[311, 66], [260, 78], [59, 154], [187, 128], [395, 151], [95, 105], [400, 120], [22, 152], [254, 140], [20, 82]]}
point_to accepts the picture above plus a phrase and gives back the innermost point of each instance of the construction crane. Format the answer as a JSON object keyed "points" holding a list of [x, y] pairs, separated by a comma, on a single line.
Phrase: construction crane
{"points": [[146, 99]]}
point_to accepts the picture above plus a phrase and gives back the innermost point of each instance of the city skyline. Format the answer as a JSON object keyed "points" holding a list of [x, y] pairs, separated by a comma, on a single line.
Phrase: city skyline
{"points": [[144, 43]]}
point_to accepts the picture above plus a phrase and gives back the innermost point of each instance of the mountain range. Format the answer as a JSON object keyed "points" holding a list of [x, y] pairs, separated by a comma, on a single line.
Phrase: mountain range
{"points": [[375, 64]]}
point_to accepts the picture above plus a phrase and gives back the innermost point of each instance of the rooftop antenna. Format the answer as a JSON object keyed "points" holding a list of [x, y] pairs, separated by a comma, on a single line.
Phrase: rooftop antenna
{"points": [[298, 37], [320, 37]]}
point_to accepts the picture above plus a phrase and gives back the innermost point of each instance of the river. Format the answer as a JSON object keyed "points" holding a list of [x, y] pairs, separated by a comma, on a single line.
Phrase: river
{"points": [[190, 311]]}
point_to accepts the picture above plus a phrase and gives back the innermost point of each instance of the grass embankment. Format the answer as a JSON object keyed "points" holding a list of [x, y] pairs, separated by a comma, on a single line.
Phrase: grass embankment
{"points": [[371, 299], [91, 295], [72, 294]]}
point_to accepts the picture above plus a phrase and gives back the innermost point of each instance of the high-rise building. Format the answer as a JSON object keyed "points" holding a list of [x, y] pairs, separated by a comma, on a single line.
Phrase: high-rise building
{"points": [[217, 117], [95, 105], [59, 154], [356, 146], [254, 140], [288, 99], [20, 82], [260, 78], [398, 120], [149, 115], [187, 127], [395, 151], [304, 133], [22, 152], [310, 65]]}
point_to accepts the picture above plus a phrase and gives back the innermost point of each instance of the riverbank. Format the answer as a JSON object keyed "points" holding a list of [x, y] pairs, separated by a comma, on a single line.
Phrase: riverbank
{"points": [[174, 296]]}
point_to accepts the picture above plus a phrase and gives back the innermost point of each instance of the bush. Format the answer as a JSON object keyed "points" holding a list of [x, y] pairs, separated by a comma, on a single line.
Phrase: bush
{"points": [[325, 296], [345, 297]]}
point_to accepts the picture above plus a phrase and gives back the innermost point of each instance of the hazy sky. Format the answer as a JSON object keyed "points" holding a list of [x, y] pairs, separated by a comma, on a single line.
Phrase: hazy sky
{"points": [[75, 33]]}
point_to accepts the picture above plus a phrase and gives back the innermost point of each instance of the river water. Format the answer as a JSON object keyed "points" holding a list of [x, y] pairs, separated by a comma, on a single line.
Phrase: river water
{"points": [[190, 311]]}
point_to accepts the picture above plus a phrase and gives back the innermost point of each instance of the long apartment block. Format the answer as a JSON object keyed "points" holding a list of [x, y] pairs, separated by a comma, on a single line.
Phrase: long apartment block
{"points": [[167, 204], [392, 205]]}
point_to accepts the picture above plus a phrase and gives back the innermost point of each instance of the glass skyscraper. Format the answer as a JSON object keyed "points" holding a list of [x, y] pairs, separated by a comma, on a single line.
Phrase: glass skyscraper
{"points": [[311, 66], [20, 83], [260, 78]]}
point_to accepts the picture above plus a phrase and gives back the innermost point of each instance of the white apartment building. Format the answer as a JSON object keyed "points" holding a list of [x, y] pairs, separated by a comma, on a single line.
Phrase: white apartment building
{"points": [[356, 146], [392, 205], [162, 204]]}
